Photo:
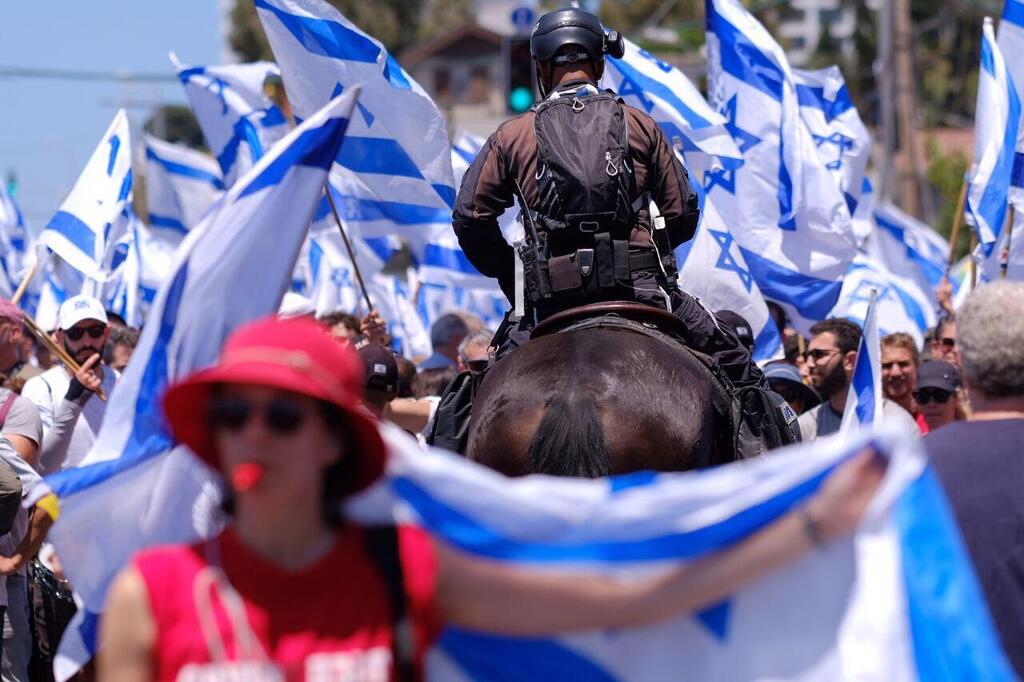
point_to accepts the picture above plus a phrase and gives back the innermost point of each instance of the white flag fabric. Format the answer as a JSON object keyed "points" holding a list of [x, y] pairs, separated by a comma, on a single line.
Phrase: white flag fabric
{"points": [[696, 131], [908, 247], [996, 124], [393, 297], [712, 268], [789, 219], [14, 244], [181, 185], [864, 399], [843, 141], [149, 262], [238, 120], [901, 306], [863, 218], [93, 218], [897, 601], [234, 267], [394, 170]]}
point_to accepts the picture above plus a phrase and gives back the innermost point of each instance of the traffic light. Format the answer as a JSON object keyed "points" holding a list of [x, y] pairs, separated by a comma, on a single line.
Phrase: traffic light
{"points": [[520, 92]]}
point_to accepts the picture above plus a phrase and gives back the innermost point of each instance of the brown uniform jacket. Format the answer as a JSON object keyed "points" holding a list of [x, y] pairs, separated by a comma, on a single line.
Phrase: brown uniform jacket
{"points": [[488, 189]]}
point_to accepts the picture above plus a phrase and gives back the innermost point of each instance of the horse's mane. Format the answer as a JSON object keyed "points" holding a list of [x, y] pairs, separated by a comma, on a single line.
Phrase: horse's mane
{"points": [[570, 440]]}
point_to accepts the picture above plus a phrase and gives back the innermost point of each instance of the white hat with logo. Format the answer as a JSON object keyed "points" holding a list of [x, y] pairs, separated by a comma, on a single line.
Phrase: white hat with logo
{"points": [[78, 308]]}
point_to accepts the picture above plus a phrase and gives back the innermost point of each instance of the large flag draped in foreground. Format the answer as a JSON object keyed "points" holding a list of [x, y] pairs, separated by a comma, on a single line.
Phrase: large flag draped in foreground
{"points": [[789, 219], [93, 217], [132, 490], [395, 171], [996, 122], [897, 601]]}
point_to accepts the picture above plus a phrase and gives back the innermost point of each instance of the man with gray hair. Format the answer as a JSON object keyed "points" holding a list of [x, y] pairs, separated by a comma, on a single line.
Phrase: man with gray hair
{"points": [[980, 462], [474, 351], [446, 334]]}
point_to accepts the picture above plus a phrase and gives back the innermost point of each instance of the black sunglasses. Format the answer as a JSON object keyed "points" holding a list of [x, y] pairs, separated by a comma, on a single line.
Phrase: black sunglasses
{"points": [[947, 342], [95, 332], [926, 395], [280, 415]]}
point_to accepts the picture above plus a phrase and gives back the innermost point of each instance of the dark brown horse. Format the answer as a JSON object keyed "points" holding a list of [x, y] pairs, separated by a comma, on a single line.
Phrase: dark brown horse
{"points": [[593, 402]]}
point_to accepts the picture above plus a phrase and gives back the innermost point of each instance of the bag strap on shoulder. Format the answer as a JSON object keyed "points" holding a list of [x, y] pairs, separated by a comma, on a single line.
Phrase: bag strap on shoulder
{"points": [[382, 543]]}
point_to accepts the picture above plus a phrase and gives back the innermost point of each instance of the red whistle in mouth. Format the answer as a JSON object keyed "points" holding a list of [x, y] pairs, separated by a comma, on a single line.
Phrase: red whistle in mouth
{"points": [[246, 476]]}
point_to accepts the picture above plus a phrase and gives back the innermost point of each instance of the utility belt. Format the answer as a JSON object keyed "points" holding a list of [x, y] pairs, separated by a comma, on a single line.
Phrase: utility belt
{"points": [[602, 270]]}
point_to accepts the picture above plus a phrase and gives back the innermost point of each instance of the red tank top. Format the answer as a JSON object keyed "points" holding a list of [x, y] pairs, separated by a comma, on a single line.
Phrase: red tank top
{"points": [[330, 621]]}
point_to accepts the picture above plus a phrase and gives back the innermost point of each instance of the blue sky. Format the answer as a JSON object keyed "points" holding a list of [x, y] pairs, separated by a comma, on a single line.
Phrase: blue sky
{"points": [[48, 128]]}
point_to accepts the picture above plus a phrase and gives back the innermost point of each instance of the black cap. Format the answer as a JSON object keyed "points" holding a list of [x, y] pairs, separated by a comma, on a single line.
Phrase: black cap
{"points": [[938, 374], [740, 325], [379, 367], [564, 27]]}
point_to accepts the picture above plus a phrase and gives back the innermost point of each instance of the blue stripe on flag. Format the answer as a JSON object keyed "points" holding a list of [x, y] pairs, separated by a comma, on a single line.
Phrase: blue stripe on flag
{"points": [[377, 155], [75, 231], [486, 657], [167, 222], [814, 97], [115, 144], [1017, 174], [185, 171], [449, 259], [933, 272], [1013, 12], [324, 37], [911, 307], [767, 341], [812, 297], [311, 149], [741, 58], [457, 528], [644, 85], [356, 209], [951, 630]]}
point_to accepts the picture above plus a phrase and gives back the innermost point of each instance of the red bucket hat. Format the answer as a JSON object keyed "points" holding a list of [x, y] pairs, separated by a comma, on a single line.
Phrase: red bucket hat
{"points": [[295, 355]]}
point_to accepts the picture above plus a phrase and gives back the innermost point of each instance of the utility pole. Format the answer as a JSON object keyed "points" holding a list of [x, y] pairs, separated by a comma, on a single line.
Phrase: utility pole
{"points": [[912, 181], [887, 114]]}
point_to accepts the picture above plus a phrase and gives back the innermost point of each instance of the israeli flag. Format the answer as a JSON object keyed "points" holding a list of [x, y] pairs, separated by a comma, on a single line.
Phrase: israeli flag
{"points": [[896, 601], [14, 245], [696, 131], [1009, 251], [181, 185], [394, 171], [863, 218], [909, 247], [234, 267], [149, 262], [444, 263], [93, 218], [57, 282], [712, 268], [996, 123], [238, 120], [393, 297], [332, 283], [790, 221], [844, 144], [864, 399], [900, 305], [435, 300]]}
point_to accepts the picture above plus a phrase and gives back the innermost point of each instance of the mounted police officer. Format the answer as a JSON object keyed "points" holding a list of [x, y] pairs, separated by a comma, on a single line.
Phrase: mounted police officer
{"points": [[604, 201]]}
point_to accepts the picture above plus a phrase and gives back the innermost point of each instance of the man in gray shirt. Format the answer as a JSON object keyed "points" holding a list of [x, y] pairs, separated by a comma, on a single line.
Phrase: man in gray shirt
{"points": [[831, 357]]}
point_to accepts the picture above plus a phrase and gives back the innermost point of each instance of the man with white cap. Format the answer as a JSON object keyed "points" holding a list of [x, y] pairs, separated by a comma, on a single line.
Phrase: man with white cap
{"points": [[71, 416]]}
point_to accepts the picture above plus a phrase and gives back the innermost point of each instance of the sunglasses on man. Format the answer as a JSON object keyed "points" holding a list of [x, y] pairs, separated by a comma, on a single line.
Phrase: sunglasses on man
{"points": [[280, 415], [927, 395], [946, 342], [94, 332]]}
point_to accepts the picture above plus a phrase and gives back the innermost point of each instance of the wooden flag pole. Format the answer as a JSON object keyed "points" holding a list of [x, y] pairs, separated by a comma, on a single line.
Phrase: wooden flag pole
{"points": [[958, 219], [348, 247], [974, 264], [1004, 258], [23, 287]]}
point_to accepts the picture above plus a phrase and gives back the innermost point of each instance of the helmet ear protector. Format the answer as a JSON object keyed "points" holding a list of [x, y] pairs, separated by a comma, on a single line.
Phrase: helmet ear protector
{"points": [[614, 44]]}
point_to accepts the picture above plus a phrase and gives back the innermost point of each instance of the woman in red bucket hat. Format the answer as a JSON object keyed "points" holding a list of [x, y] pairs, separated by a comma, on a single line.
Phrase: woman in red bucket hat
{"points": [[292, 591]]}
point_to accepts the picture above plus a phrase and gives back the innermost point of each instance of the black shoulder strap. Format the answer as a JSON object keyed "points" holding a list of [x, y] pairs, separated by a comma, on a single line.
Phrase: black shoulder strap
{"points": [[382, 543]]}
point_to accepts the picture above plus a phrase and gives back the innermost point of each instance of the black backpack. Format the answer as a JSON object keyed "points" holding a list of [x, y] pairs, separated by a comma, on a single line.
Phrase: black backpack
{"points": [[584, 171]]}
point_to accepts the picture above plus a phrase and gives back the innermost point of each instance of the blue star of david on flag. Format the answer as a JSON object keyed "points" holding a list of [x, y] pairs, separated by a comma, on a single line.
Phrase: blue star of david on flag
{"points": [[726, 178], [341, 278], [842, 143], [863, 291], [727, 262]]}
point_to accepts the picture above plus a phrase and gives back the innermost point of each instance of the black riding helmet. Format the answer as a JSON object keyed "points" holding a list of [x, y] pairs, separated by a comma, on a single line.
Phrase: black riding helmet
{"points": [[573, 26]]}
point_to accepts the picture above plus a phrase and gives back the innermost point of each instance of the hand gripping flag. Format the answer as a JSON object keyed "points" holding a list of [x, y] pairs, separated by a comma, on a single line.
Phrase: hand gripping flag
{"points": [[234, 267], [844, 144], [896, 601], [712, 268], [996, 123], [93, 219], [181, 185], [790, 221], [864, 399], [901, 306], [238, 120], [696, 131], [394, 171]]}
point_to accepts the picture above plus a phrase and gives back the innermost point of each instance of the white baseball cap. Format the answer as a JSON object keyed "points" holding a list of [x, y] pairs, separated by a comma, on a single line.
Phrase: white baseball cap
{"points": [[78, 308]]}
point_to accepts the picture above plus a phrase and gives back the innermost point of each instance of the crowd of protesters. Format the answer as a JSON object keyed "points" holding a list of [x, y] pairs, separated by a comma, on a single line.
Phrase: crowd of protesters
{"points": [[963, 391]]}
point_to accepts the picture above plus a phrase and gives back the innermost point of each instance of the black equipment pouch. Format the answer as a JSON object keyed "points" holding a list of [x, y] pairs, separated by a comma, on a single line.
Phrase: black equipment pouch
{"points": [[604, 255], [566, 277], [766, 422], [536, 277]]}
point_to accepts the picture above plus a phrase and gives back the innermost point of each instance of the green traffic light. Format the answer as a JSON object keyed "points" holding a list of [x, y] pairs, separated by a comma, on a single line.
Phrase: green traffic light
{"points": [[520, 99]]}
